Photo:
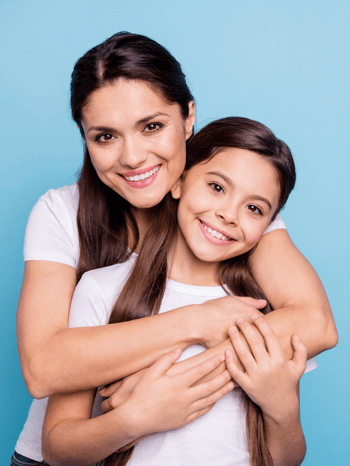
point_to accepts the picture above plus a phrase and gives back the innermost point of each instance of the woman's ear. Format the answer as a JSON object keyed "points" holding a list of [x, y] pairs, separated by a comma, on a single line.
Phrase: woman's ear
{"points": [[190, 119], [177, 188]]}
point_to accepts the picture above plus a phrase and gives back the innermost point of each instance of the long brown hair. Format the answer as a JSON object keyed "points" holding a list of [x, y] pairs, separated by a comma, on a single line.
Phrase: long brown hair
{"points": [[107, 229], [144, 290]]}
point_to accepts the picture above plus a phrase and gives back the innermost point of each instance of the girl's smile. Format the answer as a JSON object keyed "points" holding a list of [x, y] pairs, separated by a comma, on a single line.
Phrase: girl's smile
{"points": [[225, 206]]}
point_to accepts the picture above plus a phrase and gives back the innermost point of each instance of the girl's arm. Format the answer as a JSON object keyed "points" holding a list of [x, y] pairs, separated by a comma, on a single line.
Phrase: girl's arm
{"points": [[56, 359], [159, 402], [296, 294], [272, 382]]}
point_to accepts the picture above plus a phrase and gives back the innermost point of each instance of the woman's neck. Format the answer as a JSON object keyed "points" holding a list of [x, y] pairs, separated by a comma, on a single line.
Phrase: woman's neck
{"points": [[185, 267], [142, 217]]}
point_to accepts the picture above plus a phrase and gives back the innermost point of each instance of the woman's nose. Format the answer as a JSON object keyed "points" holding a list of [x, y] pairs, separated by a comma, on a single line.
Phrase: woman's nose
{"points": [[133, 154]]}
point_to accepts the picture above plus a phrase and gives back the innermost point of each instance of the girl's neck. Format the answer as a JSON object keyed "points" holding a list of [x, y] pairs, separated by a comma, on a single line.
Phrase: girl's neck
{"points": [[185, 267]]}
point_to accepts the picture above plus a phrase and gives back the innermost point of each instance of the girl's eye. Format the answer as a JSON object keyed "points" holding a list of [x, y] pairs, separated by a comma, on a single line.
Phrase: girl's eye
{"points": [[152, 127], [104, 137], [217, 188], [254, 209]]}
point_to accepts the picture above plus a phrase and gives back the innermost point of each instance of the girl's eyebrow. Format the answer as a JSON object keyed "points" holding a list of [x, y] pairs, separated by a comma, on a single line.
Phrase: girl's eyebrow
{"points": [[229, 182]]}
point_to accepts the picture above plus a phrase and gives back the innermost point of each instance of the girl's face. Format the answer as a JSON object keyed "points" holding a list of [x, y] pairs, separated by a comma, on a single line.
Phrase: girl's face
{"points": [[225, 204], [136, 140]]}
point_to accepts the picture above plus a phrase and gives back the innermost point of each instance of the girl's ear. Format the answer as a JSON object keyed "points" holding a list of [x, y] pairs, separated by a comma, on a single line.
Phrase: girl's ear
{"points": [[177, 188], [190, 119]]}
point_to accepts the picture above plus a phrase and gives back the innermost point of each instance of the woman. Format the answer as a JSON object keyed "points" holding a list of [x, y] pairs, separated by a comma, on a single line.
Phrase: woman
{"points": [[131, 102]]}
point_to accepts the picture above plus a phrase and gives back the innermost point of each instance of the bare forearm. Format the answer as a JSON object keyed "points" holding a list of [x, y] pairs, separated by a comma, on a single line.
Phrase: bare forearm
{"points": [[85, 442], [285, 439], [81, 358], [318, 333]]}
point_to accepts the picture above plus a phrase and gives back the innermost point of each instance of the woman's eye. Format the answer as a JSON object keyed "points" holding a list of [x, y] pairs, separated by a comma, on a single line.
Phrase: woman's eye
{"points": [[104, 137], [151, 127], [216, 187], [254, 209]]}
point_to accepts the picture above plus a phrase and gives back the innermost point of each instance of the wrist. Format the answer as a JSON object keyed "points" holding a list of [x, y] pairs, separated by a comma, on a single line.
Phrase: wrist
{"points": [[288, 412], [129, 418], [193, 333]]}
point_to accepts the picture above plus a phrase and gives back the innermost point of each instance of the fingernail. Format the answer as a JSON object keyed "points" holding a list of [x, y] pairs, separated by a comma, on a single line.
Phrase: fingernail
{"points": [[233, 329], [227, 353], [297, 337], [101, 390], [222, 358], [255, 316], [230, 386], [177, 350], [240, 320]]}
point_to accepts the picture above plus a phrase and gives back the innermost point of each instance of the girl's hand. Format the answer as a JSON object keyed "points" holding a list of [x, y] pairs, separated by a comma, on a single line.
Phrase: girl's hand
{"points": [[118, 392], [269, 379], [161, 402], [216, 316]]}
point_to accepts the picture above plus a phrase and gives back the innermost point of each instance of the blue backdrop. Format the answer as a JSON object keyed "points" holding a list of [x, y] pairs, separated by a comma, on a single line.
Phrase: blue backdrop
{"points": [[286, 64]]}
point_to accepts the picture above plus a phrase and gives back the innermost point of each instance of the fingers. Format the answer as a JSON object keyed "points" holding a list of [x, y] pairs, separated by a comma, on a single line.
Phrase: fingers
{"points": [[196, 373], [300, 353], [241, 349], [257, 303], [162, 364], [110, 389], [270, 338], [216, 395], [108, 405], [234, 371]]}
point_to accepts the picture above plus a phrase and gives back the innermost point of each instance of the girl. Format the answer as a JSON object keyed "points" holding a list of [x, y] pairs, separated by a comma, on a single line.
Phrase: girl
{"points": [[238, 176], [130, 100]]}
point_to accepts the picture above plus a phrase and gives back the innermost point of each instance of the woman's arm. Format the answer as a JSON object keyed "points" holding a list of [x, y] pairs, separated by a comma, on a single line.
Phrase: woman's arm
{"points": [[159, 402], [296, 294], [56, 359]]}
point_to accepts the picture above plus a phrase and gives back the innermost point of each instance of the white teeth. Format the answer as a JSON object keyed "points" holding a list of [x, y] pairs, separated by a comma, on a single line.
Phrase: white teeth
{"points": [[215, 233], [143, 176]]}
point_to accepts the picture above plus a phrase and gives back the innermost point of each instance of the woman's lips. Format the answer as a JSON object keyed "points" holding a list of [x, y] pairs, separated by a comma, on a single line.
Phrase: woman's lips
{"points": [[141, 178], [215, 235]]}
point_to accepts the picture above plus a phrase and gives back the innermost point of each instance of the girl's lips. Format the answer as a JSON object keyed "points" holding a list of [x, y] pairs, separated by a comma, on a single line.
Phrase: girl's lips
{"points": [[151, 174], [213, 239]]}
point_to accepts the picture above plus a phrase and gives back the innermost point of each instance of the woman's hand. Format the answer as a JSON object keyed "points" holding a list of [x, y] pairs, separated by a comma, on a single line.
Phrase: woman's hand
{"points": [[216, 316], [269, 379], [161, 402]]}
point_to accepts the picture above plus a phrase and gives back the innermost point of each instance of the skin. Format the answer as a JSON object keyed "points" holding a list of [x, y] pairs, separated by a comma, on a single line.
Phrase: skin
{"points": [[266, 375], [56, 359]]}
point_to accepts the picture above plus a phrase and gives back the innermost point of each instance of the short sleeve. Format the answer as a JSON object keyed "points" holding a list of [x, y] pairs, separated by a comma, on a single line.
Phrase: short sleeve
{"points": [[88, 306], [52, 232], [277, 224]]}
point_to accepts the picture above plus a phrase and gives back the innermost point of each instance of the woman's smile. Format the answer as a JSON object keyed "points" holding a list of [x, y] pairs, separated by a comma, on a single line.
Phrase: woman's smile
{"points": [[141, 178]]}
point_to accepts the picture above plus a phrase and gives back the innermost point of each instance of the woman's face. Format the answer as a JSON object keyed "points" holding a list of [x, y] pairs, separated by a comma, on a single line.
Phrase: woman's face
{"points": [[136, 140], [226, 204]]}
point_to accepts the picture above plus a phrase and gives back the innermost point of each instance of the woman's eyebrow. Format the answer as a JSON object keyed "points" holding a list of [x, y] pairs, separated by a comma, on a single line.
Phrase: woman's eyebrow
{"points": [[229, 182], [145, 120]]}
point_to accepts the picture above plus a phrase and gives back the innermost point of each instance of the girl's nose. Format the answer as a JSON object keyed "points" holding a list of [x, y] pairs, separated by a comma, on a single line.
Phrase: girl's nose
{"points": [[228, 213], [133, 154]]}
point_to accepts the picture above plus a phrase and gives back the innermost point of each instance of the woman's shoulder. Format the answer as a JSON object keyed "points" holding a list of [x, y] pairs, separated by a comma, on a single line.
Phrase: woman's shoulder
{"points": [[66, 195]]}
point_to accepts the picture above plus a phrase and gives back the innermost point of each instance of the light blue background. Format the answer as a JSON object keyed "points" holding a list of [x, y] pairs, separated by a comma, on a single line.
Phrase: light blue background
{"points": [[286, 64]]}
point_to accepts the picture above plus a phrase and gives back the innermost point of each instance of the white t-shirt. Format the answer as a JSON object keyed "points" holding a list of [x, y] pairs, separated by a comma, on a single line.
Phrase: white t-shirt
{"points": [[216, 438], [52, 235]]}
